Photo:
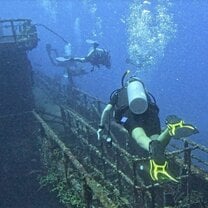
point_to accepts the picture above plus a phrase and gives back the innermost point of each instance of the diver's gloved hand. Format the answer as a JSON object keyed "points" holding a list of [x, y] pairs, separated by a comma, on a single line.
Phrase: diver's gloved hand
{"points": [[99, 131], [178, 128], [156, 150]]}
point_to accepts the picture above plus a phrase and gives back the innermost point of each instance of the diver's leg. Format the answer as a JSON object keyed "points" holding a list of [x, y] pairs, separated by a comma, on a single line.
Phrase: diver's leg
{"points": [[178, 128], [139, 135], [164, 137], [154, 147], [81, 60]]}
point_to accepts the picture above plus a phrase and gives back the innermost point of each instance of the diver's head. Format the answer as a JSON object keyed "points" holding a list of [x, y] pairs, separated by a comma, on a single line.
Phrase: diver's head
{"points": [[95, 45]]}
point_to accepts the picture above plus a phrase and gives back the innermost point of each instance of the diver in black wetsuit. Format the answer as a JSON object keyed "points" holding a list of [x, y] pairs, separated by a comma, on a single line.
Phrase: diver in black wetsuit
{"points": [[96, 57], [136, 110]]}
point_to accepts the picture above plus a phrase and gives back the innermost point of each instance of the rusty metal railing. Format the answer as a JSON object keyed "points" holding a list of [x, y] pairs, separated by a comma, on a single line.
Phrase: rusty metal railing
{"points": [[117, 166]]}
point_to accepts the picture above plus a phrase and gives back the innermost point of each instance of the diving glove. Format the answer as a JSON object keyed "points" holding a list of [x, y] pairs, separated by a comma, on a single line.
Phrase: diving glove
{"points": [[178, 128]]}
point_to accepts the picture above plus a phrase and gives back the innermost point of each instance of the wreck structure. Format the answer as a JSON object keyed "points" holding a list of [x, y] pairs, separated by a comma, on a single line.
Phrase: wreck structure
{"points": [[19, 148], [116, 173], [49, 143]]}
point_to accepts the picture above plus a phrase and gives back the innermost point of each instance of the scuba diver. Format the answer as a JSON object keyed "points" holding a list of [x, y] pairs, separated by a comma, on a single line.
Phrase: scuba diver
{"points": [[96, 57], [72, 68], [137, 111]]}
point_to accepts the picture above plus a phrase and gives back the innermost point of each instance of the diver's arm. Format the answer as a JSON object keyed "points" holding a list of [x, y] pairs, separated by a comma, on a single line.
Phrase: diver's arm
{"points": [[103, 120], [105, 115]]}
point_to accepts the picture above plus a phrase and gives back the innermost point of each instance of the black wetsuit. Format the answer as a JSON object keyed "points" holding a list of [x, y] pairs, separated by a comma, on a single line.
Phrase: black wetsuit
{"points": [[149, 120], [99, 57]]}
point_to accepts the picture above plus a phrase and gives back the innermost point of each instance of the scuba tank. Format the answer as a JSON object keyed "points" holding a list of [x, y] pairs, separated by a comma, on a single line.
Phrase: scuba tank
{"points": [[132, 94], [137, 97], [67, 50]]}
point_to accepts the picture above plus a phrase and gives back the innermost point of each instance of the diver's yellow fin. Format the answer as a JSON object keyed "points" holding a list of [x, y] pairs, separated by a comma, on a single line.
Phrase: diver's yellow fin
{"points": [[156, 169], [178, 128]]}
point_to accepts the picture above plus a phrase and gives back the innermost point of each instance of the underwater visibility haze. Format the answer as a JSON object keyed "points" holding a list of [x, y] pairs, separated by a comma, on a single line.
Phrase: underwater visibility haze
{"points": [[164, 42]]}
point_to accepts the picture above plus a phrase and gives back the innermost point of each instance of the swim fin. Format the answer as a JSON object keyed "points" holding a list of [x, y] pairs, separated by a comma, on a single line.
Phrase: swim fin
{"points": [[159, 172], [158, 163], [178, 128]]}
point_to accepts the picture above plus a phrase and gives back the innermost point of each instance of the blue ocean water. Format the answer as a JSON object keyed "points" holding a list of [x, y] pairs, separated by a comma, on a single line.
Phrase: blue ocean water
{"points": [[178, 80]]}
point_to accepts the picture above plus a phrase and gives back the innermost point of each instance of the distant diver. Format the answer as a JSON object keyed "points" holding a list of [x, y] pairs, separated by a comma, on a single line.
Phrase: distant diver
{"points": [[96, 57], [136, 110], [73, 69]]}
